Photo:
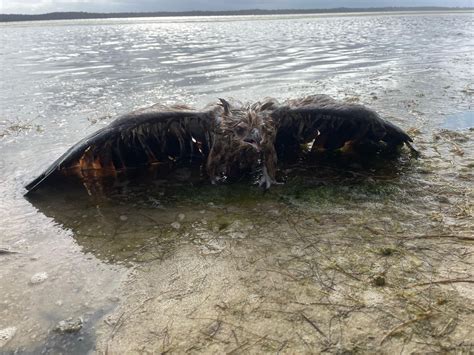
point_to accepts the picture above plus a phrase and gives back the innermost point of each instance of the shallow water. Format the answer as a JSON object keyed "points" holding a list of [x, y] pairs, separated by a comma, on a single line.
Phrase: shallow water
{"points": [[167, 248], [459, 121]]}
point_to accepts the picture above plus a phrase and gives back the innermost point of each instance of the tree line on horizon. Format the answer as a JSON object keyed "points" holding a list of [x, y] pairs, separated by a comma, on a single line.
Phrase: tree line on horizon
{"points": [[77, 15]]}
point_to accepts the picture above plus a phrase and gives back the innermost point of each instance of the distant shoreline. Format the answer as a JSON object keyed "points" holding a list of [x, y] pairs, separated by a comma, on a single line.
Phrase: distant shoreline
{"points": [[97, 15]]}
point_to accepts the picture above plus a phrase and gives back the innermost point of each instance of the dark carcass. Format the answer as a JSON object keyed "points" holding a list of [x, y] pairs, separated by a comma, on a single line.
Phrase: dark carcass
{"points": [[228, 138]]}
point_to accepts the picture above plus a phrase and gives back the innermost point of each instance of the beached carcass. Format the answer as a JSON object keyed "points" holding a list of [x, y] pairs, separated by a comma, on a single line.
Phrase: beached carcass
{"points": [[227, 138]]}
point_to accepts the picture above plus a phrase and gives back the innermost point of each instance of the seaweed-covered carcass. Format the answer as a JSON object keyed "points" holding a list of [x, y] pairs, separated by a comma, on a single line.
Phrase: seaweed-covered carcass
{"points": [[227, 138]]}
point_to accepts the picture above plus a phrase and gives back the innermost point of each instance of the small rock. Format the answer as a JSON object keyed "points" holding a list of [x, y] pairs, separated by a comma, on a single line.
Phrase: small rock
{"points": [[39, 278], [123, 218], [69, 326], [387, 251], [176, 225], [379, 281], [6, 334], [181, 216]]}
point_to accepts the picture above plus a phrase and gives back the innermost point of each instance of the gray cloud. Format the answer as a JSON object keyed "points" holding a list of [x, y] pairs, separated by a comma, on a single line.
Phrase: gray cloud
{"points": [[41, 6]]}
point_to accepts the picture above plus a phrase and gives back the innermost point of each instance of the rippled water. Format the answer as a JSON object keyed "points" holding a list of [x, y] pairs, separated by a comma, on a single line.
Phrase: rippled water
{"points": [[61, 80]]}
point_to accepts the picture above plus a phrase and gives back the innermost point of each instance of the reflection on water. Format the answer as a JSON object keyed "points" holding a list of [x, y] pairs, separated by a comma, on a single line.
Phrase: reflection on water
{"points": [[460, 121], [104, 214], [113, 253]]}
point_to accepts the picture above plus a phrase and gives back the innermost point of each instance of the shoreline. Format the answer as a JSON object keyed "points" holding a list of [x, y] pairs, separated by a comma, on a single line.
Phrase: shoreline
{"points": [[61, 16]]}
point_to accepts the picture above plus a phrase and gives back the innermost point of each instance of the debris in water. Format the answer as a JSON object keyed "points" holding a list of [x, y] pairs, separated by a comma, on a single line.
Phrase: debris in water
{"points": [[387, 251], [4, 250], [212, 247]]}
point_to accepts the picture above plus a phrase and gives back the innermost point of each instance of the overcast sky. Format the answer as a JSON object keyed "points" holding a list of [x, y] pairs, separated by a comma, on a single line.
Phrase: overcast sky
{"points": [[42, 6]]}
